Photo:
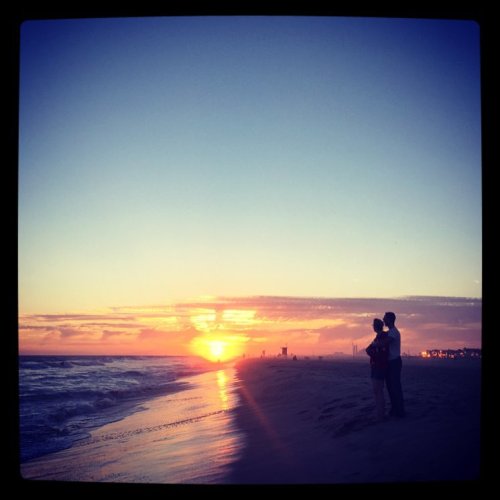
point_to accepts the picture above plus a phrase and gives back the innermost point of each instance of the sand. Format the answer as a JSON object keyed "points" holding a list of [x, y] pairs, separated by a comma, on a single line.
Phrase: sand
{"points": [[314, 422], [286, 422], [183, 437]]}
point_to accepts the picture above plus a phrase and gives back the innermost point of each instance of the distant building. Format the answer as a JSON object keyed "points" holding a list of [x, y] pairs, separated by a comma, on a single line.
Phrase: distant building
{"points": [[464, 353]]}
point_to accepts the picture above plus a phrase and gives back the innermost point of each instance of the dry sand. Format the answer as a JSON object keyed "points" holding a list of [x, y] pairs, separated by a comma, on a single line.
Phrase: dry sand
{"points": [[312, 421], [305, 421]]}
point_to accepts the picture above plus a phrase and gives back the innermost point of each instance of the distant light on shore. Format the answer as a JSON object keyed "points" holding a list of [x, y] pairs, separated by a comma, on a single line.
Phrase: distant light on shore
{"points": [[452, 353]]}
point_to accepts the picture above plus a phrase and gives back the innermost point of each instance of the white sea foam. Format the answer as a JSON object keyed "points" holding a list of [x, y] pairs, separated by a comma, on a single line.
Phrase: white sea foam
{"points": [[63, 397]]}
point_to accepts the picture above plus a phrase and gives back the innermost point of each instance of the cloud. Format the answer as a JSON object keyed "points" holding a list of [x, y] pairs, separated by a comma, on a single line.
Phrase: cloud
{"points": [[35, 327], [167, 335], [50, 338], [106, 324], [115, 334], [68, 332], [356, 310], [326, 324], [78, 334], [51, 318], [152, 334]]}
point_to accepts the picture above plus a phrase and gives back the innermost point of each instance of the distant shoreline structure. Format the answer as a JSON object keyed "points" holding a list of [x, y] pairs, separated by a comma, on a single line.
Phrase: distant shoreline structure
{"points": [[466, 352]]}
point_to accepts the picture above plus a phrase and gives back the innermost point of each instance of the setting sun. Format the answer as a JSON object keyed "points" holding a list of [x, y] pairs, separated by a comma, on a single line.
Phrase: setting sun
{"points": [[220, 348], [222, 333], [216, 348]]}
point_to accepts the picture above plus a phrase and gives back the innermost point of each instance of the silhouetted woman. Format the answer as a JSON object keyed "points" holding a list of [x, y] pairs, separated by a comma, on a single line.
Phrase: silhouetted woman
{"points": [[378, 351]]}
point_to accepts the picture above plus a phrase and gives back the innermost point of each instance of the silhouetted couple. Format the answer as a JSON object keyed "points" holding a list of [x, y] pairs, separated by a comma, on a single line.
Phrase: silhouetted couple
{"points": [[386, 364]]}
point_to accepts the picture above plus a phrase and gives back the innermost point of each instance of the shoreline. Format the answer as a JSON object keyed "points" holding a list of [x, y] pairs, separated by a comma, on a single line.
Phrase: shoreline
{"points": [[276, 421], [104, 402], [181, 437]]}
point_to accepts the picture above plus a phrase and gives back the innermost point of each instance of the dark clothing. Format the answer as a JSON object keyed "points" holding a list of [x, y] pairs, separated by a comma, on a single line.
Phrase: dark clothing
{"points": [[378, 351], [393, 382], [378, 373]]}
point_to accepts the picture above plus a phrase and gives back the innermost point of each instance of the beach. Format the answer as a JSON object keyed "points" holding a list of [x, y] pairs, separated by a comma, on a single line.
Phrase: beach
{"points": [[182, 437], [313, 421], [281, 421]]}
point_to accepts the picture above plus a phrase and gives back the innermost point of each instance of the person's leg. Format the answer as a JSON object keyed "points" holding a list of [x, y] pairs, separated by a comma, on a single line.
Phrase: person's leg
{"points": [[378, 391], [389, 382], [394, 387], [398, 390]]}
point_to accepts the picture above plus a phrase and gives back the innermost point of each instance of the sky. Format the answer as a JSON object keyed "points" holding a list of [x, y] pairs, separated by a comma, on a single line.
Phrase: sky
{"points": [[166, 159], [224, 328]]}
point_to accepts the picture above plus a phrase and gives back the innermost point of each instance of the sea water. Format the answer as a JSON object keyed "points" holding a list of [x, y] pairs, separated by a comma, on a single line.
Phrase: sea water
{"points": [[62, 398]]}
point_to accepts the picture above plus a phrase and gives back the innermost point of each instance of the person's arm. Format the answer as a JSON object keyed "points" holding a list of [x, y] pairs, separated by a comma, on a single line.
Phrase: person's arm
{"points": [[382, 340], [370, 347]]}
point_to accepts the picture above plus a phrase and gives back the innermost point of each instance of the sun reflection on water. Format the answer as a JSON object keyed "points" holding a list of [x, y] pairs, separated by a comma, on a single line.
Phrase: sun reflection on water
{"points": [[222, 384]]}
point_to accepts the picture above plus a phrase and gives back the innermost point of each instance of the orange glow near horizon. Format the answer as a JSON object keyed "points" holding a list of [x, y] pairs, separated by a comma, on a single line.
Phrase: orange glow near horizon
{"points": [[225, 329], [222, 334], [216, 348]]}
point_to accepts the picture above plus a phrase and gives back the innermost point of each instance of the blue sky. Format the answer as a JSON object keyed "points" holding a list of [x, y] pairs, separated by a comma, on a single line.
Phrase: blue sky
{"points": [[165, 158]]}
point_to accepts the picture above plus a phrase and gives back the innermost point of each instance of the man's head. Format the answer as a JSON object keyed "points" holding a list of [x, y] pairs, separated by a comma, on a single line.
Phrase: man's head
{"points": [[389, 319]]}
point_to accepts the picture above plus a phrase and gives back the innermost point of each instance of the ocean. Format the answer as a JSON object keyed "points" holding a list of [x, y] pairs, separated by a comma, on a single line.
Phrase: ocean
{"points": [[63, 398]]}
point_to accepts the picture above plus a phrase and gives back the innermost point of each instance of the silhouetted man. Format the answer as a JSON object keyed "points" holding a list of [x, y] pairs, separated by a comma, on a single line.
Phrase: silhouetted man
{"points": [[393, 377]]}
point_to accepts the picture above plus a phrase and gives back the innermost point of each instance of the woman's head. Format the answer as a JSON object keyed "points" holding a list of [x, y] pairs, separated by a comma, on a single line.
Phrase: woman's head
{"points": [[378, 325]]}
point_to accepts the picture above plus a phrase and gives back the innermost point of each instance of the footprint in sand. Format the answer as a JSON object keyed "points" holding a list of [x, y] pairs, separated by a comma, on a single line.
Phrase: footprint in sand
{"points": [[364, 409], [324, 417], [345, 428], [352, 425], [348, 405], [328, 409]]}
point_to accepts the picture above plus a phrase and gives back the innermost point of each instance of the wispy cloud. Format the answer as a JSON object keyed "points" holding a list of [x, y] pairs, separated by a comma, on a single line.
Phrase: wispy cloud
{"points": [[305, 324]]}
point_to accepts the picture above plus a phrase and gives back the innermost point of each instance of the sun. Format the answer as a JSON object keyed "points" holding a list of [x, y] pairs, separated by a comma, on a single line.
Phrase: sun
{"points": [[216, 348]]}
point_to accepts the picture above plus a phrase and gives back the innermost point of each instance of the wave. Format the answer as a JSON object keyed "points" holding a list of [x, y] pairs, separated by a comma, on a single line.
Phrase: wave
{"points": [[61, 398], [31, 363]]}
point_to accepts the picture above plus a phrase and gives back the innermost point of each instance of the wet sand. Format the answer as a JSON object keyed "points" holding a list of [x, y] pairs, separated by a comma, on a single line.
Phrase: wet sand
{"points": [[287, 422], [185, 437]]}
